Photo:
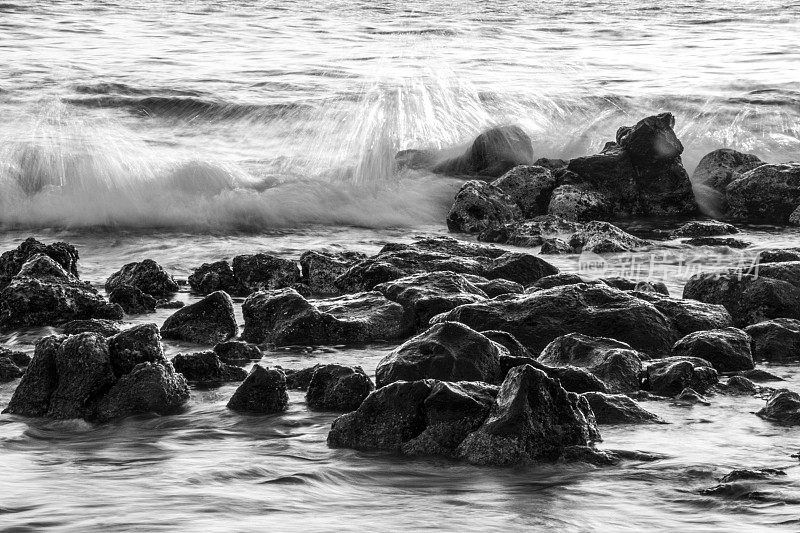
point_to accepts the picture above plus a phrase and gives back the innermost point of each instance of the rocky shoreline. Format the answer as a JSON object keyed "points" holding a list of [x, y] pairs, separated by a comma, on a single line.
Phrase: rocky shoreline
{"points": [[500, 358]]}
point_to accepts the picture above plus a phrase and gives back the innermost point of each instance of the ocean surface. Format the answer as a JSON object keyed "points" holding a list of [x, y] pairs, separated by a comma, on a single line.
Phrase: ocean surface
{"points": [[191, 131]]}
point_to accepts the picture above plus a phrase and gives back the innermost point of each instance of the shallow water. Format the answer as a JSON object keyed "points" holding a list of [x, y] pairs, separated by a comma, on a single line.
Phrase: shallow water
{"points": [[195, 131]]}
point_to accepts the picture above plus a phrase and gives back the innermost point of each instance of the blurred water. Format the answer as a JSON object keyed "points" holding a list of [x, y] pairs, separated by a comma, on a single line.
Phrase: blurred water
{"points": [[195, 131]]}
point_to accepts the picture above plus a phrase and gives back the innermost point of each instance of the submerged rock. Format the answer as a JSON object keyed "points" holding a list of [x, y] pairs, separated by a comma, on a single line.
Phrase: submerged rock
{"points": [[529, 187], [262, 392], [147, 276], [320, 270], [237, 352], [492, 153], [206, 367], [728, 350], [716, 241], [533, 418], [618, 409], [62, 253], [448, 351], [704, 228], [782, 407], [283, 317], [479, 205], [132, 300], [209, 321], [766, 193], [776, 340], [148, 388], [603, 238], [778, 255], [338, 388]]}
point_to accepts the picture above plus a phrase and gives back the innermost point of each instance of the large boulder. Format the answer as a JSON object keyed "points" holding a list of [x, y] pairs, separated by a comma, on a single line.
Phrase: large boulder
{"points": [[320, 270], [670, 376], [767, 193], [424, 296], [573, 202], [217, 276], [533, 418], [209, 321], [479, 205], [595, 310], [262, 392], [492, 153], [148, 388], [448, 351], [728, 350], [776, 340], [426, 417], [719, 168], [338, 388], [283, 317], [147, 276], [529, 186], [782, 407], [32, 395], [43, 293], [618, 409], [688, 315], [139, 344], [207, 368], [264, 272], [612, 361], [602, 238], [641, 173], [62, 253]]}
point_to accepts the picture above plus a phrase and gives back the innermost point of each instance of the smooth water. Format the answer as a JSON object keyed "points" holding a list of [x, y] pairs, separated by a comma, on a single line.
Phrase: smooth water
{"points": [[191, 131]]}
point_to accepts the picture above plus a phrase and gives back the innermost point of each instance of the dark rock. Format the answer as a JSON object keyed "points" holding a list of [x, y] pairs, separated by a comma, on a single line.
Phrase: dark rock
{"points": [[745, 474], [447, 351], [589, 455], [603, 238], [139, 344], [20, 359], [209, 321], [612, 361], [338, 388], [776, 340], [766, 193], [651, 139], [728, 350], [492, 154], [533, 418], [739, 385], [9, 371], [426, 295], [320, 270], [716, 241], [132, 300], [106, 328], [212, 277], [529, 186], [538, 318], [530, 233], [495, 287], [782, 407], [704, 228], [578, 203], [32, 395], [43, 293], [62, 253], [148, 388], [521, 268], [148, 276], [263, 391], [559, 280], [555, 246], [625, 284], [263, 272], [206, 367], [760, 376], [778, 256], [550, 164], [689, 316], [669, 377], [171, 304], [237, 352], [510, 343], [691, 396], [719, 168], [618, 409], [479, 205], [284, 318], [299, 379]]}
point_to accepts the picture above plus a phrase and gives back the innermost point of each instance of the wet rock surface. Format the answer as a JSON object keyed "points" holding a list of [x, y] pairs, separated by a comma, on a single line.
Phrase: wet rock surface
{"points": [[776, 340], [479, 205], [783, 407], [206, 368], [147, 276], [262, 392], [670, 376], [132, 300], [769, 192], [237, 353], [209, 321], [338, 388], [728, 350], [618, 409]]}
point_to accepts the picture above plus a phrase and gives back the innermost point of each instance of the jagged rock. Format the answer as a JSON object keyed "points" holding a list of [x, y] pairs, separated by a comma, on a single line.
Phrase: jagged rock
{"points": [[106, 328], [689, 316], [716, 241], [578, 203], [642, 173], [782, 407], [555, 246], [132, 300], [148, 388], [20, 359], [209, 321], [263, 391], [237, 352], [670, 376], [283, 317], [171, 304], [147, 276], [612, 361], [704, 228], [139, 344], [538, 318], [559, 280], [728, 350], [550, 163], [766, 193], [739, 385], [529, 186], [206, 367], [62, 253], [691, 396], [338, 388], [533, 418], [300, 379], [515, 348], [531, 232], [589, 455], [263, 272], [9, 371], [426, 295], [32, 395], [43, 293], [479, 205], [320, 270], [776, 340], [213, 277], [494, 152], [495, 287], [426, 417], [618, 409], [719, 168], [625, 284], [447, 351], [603, 238]]}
